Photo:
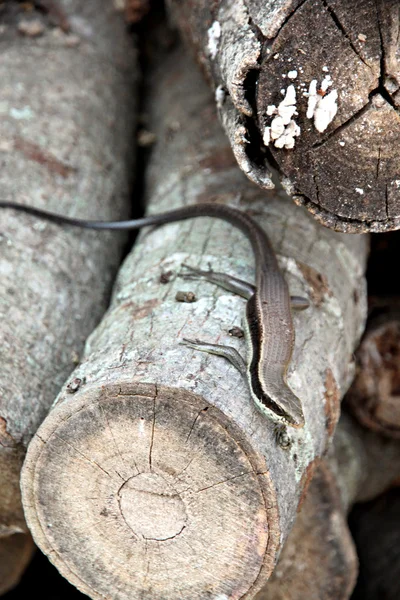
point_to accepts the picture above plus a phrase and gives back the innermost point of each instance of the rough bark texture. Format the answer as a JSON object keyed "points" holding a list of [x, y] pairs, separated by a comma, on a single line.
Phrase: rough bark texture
{"points": [[66, 116], [158, 477], [319, 558], [374, 395], [346, 174]]}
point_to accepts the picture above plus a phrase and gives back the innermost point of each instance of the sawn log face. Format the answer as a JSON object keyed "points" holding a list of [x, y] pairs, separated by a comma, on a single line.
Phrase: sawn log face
{"points": [[337, 154]]}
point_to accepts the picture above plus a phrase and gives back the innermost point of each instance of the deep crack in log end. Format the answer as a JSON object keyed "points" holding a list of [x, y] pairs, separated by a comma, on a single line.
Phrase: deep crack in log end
{"points": [[327, 99], [150, 480]]}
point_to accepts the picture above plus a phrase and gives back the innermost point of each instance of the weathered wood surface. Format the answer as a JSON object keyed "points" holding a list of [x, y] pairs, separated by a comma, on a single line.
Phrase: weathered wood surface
{"points": [[158, 478], [67, 110], [319, 559], [374, 395], [347, 173]]}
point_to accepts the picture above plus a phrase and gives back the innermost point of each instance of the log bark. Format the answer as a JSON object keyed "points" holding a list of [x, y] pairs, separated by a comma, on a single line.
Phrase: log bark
{"points": [[319, 559], [158, 477], [67, 110], [374, 395], [342, 166]]}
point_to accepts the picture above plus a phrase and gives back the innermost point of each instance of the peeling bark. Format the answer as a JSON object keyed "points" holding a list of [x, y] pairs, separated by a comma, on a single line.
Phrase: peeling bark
{"points": [[66, 114], [346, 173], [157, 476]]}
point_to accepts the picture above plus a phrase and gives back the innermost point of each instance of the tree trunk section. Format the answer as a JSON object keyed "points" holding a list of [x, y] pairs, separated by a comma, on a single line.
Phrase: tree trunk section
{"points": [[67, 109], [158, 477], [374, 395], [319, 559], [339, 62]]}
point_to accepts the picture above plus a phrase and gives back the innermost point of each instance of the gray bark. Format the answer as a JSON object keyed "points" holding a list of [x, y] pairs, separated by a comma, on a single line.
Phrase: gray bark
{"points": [[158, 477], [67, 115]]}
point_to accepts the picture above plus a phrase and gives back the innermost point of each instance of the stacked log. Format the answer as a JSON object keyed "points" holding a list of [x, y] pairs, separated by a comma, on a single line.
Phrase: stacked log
{"points": [[311, 88], [154, 475], [319, 559], [68, 111], [374, 398]]}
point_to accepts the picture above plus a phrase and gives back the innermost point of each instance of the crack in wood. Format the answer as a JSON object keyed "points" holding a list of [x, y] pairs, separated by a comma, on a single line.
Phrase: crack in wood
{"points": [[166, 539], [316, 187], [378, 163], [178, 475], [89, 460], [189, 489], [289, 16], [381, 89], [342, 29], [398, 28], [146, 574], [193, 425], [336, 132], [114, 441], [386, 201], [339, 224], [153, 428]]}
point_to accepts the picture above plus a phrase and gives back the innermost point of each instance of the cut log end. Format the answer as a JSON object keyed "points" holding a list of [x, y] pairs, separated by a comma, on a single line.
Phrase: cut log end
{"points": [[328, 111], [151, 481], [313, 89]]}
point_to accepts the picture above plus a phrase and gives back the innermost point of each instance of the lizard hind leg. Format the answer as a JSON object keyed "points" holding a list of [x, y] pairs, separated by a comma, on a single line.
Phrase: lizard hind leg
{"points": [[228, 282], [235, 285], [227, 352]]}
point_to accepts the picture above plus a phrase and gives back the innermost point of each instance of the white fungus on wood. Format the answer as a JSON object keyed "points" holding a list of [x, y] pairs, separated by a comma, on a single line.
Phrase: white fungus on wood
{"points": [[326, 82], [325, 111], [286, 140], [214, 34], [283, 129], [321, 106], [220, 95], [312, 99], [277, 127]]}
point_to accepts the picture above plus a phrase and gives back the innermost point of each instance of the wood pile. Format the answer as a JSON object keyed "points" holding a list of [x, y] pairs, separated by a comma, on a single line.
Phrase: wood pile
{"points": [[146, 469]]}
